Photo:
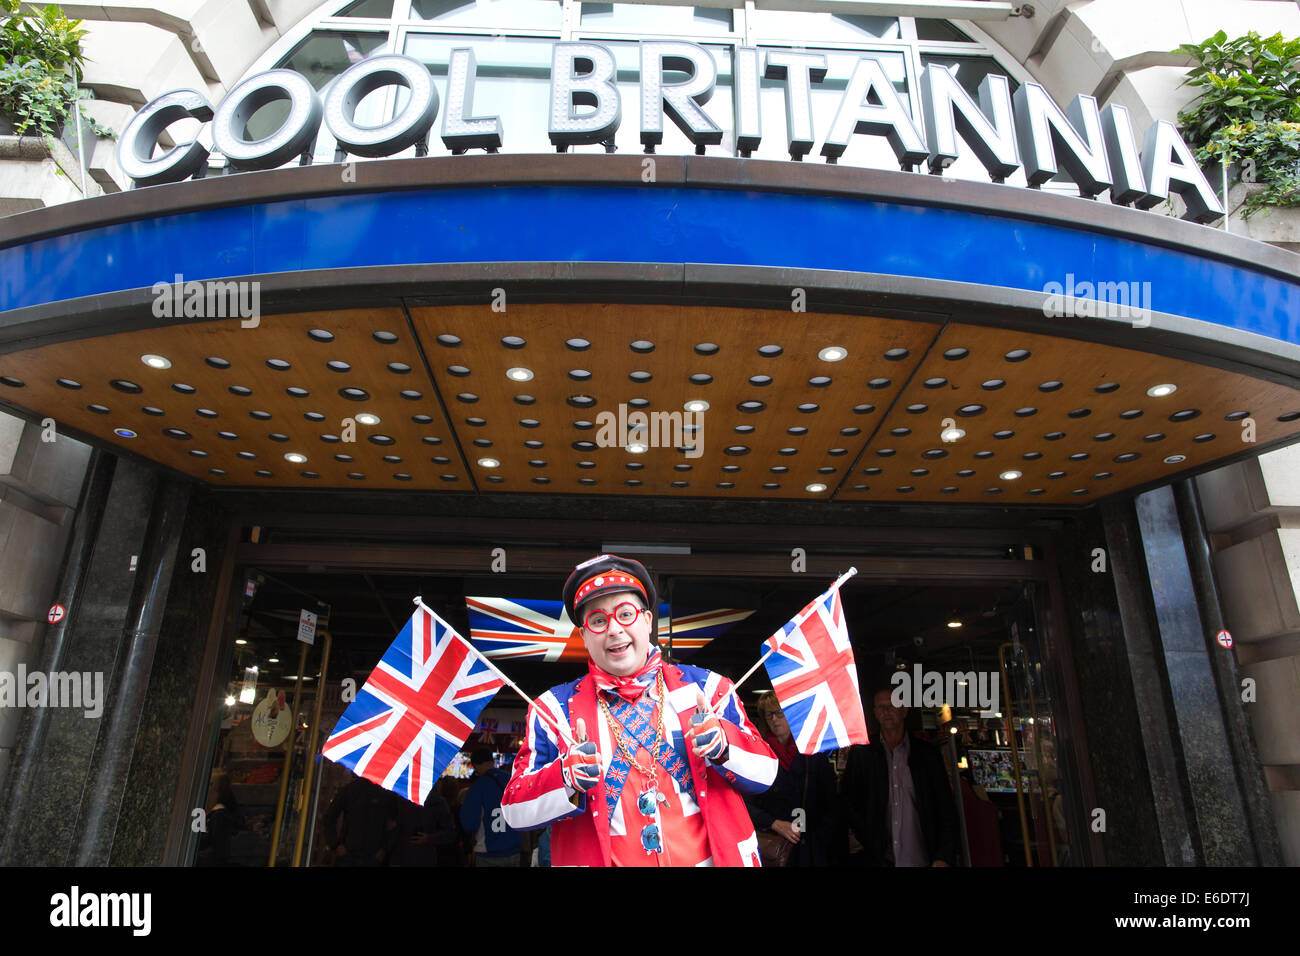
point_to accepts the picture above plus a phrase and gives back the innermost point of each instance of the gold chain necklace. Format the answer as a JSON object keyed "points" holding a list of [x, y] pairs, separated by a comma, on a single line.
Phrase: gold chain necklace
{"points": [[617, 730]]}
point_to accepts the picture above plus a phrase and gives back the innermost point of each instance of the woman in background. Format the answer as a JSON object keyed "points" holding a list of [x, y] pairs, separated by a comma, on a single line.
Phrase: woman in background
{"points": [[777, 809]]}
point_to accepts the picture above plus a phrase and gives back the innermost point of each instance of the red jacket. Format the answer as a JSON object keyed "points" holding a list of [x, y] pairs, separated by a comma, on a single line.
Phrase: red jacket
{"points": [[537, 796]]}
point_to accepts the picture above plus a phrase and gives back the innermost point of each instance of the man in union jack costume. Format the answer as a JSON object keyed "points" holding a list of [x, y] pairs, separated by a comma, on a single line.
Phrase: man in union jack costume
{"points": [[660, 755]]}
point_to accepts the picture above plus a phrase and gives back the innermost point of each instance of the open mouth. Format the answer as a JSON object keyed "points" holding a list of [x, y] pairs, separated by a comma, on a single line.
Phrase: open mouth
{"points": [[615, 649]]}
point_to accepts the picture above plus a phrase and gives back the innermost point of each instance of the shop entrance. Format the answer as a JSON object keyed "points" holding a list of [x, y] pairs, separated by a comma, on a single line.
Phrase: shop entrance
{"points": [[973, 647]]}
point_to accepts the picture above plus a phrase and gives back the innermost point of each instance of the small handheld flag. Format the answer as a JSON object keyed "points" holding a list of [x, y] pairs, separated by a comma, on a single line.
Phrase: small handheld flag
{"points": [[810, 662], [416, 710]]}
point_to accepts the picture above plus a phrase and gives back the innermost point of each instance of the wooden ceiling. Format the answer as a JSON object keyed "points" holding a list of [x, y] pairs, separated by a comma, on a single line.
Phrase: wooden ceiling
{"points": [[1074, 419]]}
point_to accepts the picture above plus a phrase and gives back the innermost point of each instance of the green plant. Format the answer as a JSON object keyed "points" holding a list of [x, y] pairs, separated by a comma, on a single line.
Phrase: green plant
{"points": [[1248, 115], [48, 37], [35, 97], [95, 126], [41, 63]]}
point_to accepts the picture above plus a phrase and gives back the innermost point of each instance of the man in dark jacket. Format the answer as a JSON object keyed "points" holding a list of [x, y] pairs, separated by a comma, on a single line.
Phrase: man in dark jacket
{"points": [[495, 844], [896, 797], [368, 812]]}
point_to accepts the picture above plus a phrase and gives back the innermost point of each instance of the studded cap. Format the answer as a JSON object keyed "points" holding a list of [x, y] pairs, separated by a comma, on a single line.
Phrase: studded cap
{"points": [[608, 574]]}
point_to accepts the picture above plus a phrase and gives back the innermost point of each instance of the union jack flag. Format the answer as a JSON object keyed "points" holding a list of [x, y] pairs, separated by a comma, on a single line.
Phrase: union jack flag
{"points": [[416, 710], [815, 678], [528, 629]]}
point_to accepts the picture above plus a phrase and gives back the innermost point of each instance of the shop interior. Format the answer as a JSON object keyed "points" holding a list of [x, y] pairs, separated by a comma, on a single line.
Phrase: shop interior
{"points": [[1012, 803]]}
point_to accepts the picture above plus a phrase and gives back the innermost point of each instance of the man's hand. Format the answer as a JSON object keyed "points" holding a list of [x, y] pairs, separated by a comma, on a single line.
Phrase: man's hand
{"points": [[786, 829], [581, 764], [706, 734], [939, 863]]}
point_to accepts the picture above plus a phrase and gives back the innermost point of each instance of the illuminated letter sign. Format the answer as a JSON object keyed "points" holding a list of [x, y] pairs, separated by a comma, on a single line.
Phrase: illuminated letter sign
{"points": [[410, 127], [1128, 184], [1168, 164], [890, 119], [800, 71], [296, 134], [948, 108], [1044, 131], [135, 149], [582, 74], [460, 130], [680, 100], [744, 92], [1095, 147]]}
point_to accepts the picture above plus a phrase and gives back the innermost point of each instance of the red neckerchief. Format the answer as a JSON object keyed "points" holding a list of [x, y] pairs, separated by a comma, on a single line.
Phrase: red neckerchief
{"points": [[784, 752], [633, 685]]}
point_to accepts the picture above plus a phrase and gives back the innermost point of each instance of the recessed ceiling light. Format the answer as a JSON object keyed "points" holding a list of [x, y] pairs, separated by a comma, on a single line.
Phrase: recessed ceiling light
{"points": [[489, 463], [519, 374], [954, 624], [697, 405], [833, 353], [1010, 475], [952, 434], [1175, 459], [1160, 391], [156, 361], [368, 418], [815, 487], [637, 447], [295, 457], [124, 433], [240, 640], [273, 660]]}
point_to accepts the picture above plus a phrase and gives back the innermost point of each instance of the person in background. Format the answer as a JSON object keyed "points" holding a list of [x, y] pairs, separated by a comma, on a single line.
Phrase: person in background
{"points": [[369, 813], [802, 783], [222, 820], [495, 844], [897, 800], [456, 853], [425, 836]]}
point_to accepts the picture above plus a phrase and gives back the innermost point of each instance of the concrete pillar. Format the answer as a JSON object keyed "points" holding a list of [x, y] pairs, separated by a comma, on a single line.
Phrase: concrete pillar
{"points": [[68, 779], [1252, 511], [39, 485]]}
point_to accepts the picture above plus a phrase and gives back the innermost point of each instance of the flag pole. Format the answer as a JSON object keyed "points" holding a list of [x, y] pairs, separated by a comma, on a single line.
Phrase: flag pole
{"points": [[750, 673], [768, 653], [541, 711]]}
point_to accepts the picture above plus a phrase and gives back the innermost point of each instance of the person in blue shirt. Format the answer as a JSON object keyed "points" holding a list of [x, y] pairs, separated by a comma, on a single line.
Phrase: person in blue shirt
{"points": [[495, 844]]}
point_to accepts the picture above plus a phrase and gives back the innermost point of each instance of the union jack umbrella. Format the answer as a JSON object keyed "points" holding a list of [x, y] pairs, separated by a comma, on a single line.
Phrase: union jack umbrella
{"points": [[527, 629], [813, 673], [416, 710]]}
